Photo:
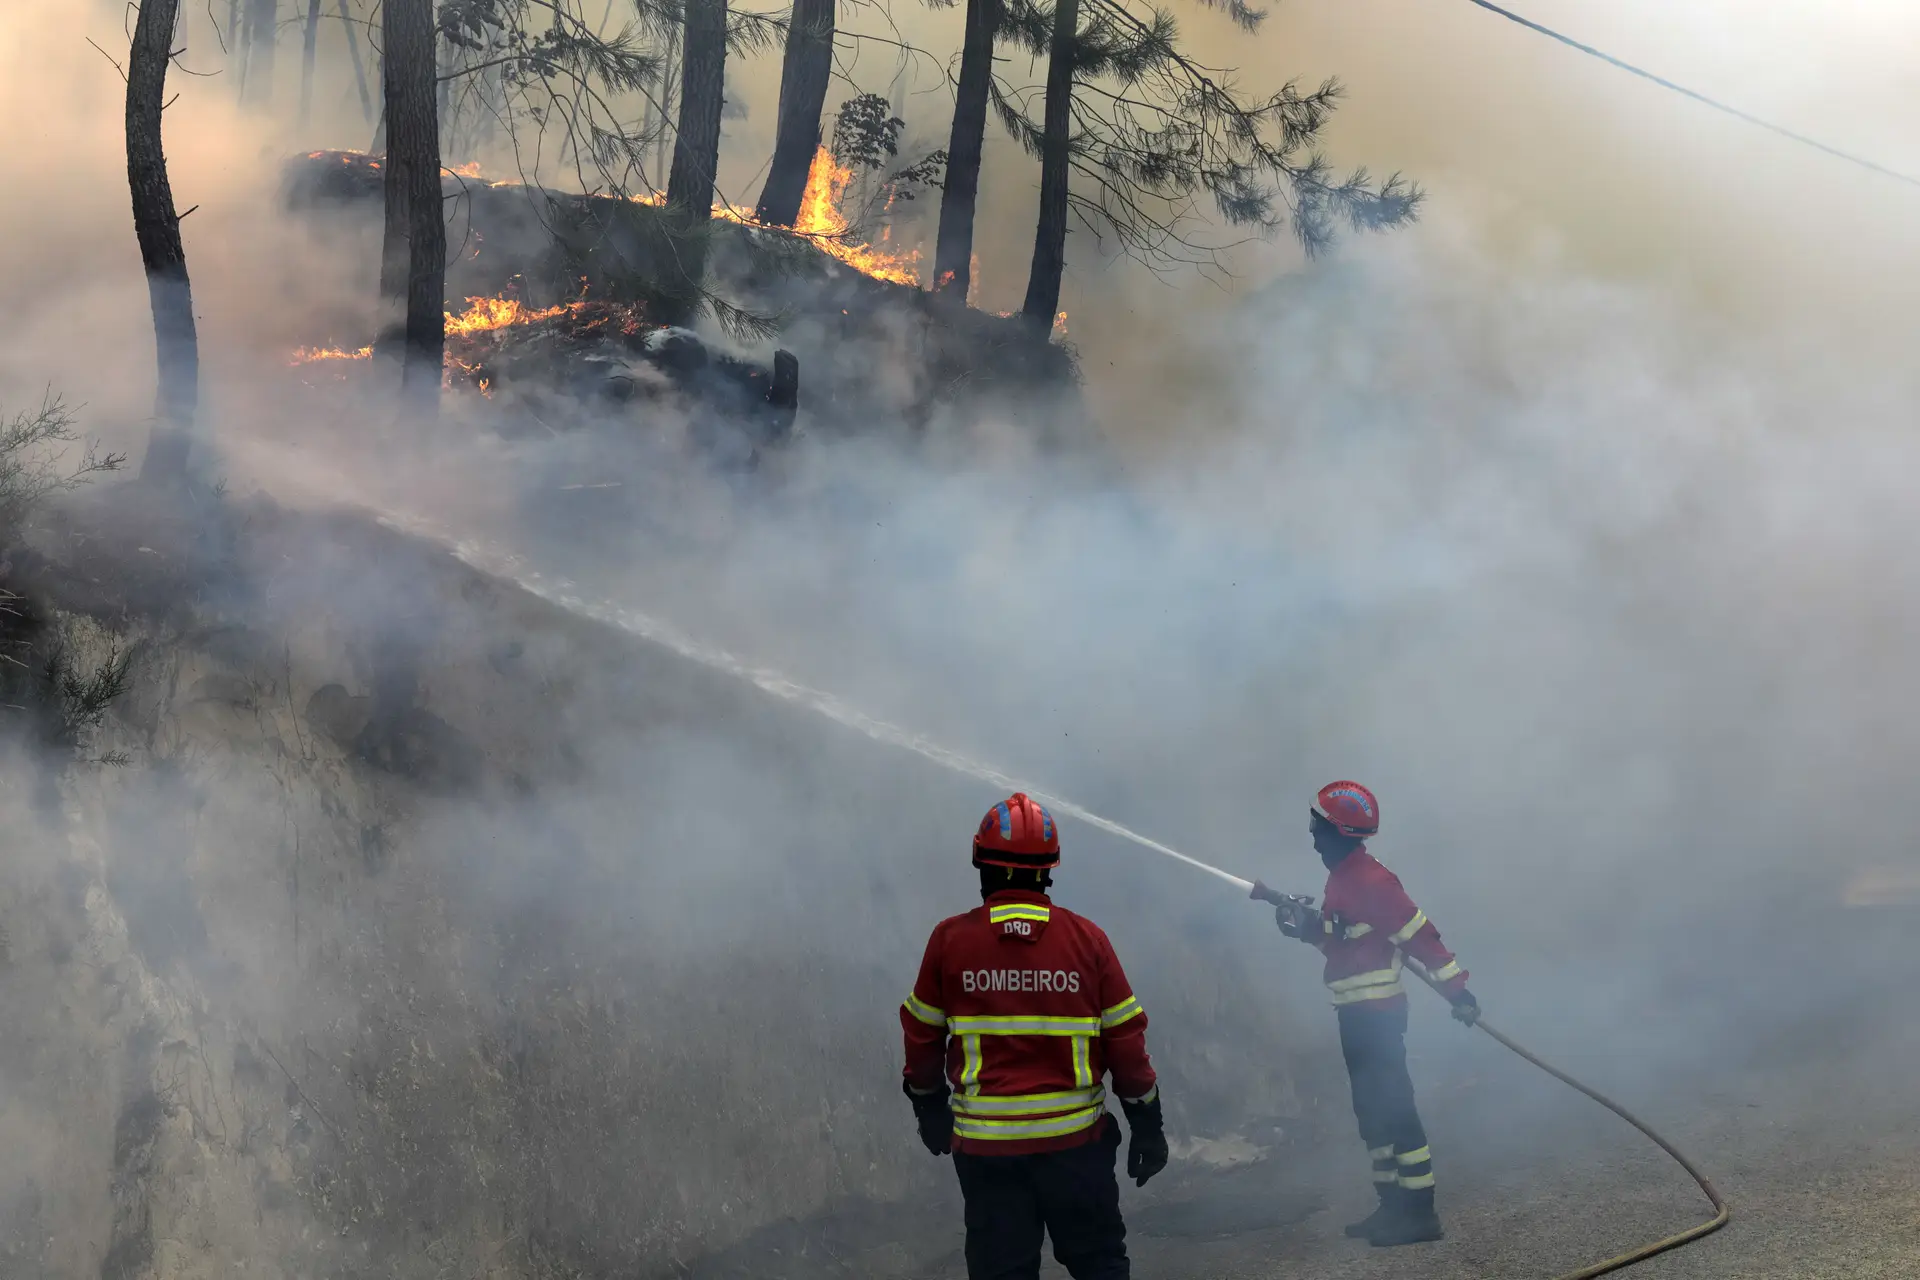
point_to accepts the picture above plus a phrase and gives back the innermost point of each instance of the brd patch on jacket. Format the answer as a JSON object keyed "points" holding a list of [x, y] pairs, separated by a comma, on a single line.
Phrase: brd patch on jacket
{"points": [[1021, 921]]}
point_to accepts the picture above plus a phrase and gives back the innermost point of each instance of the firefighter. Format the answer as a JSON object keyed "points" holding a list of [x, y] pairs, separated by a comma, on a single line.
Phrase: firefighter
{"points": [[1020, 1009], [1368, 928]]}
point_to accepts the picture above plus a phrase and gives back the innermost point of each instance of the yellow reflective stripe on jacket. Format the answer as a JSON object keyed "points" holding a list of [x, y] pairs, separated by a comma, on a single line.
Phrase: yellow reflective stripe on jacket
{"points": [[924, 1012], [1022, 1025], [1148, 1096], [1420, 1156], [1358, 931], [1027, 1104], [1082, 1061], [1371, 978], [969, 1064], [1119, 1013], [1375, 984], [1019, 911], [1451, 969], [1408, 929], [1012, 1130]]}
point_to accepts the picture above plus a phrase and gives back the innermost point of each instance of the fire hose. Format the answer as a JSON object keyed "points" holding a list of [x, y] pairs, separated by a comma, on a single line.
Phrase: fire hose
{"points": [[779, 686], [1722, 1214]]}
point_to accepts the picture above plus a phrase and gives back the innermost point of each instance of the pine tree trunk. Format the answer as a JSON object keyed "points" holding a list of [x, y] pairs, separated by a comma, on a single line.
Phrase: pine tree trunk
{"points": [[162, 252], [1050, 237], [263, 32], [237, 47], [953, 249], [359, 71], [413, 263], [308, 48], [696, 150], [804, 74], [668, 95]]}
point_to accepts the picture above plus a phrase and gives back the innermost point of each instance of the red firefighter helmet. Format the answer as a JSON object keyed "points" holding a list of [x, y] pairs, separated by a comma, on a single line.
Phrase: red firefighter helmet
{"points": [[1017, 832], [1350, 808]]}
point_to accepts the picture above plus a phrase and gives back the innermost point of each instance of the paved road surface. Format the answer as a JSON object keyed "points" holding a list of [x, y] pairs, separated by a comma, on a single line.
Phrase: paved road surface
{"points": [[1811, 1130], [1818, 1158], [1818, 1155]]}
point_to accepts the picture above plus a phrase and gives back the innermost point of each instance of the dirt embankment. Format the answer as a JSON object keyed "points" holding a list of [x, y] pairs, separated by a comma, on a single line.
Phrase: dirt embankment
{"points": [[433, 930]]}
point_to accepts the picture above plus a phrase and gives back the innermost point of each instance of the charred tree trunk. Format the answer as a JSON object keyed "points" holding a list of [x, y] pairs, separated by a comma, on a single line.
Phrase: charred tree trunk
{"points": [[953, 249], [696, 149], [263, 33], [1056, 154], [669, 98], [359, 72], [413, 263], [237, 46], [307, 50], [162, 251], [804, 74]]}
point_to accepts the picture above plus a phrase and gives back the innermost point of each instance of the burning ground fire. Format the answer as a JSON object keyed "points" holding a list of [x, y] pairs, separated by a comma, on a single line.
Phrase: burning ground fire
{"points": [[821, 218], [474, 335], [821, 221]]}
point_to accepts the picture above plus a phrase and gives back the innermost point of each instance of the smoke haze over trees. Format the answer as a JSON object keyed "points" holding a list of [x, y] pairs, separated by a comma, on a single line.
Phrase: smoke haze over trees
{"points": [[458, 905]]}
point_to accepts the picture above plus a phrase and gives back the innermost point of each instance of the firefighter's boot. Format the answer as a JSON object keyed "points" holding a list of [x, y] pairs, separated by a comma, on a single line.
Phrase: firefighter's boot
{"points": [[1382, 1214], [1385, 1182], [1412, 1222]]}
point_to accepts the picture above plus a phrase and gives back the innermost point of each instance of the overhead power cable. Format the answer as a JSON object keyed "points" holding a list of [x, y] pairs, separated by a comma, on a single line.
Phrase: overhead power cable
{"points": [[1702, 98]]}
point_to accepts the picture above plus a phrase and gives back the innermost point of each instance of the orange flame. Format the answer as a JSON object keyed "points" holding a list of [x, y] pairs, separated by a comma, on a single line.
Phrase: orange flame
{"points": [[471, 169], [484, 314], [315, 355], [822, 222]]}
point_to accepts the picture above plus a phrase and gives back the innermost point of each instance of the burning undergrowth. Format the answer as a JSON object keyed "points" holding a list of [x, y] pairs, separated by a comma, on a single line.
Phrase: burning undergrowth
{"points": [[345, 177], [569, 279], [543, 363]]}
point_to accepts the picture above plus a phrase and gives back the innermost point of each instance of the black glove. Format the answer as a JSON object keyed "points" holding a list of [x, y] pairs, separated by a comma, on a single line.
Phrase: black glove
{"points": [[1298, 920], [935, 1118], [1147, 1152], [1465, 1008], [1295, 915]]}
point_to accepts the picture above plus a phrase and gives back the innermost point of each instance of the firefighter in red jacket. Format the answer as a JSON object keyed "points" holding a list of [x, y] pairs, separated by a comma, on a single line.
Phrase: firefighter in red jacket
{"points": [[1020, 1009], [1368, 929]]}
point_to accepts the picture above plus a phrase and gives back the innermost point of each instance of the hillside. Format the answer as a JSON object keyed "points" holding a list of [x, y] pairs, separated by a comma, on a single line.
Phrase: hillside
{"points": [[467, 936]]}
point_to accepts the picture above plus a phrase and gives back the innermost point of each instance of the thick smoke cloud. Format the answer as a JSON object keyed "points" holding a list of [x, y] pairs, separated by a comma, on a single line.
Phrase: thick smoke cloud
{"points": [[1572, 521]]}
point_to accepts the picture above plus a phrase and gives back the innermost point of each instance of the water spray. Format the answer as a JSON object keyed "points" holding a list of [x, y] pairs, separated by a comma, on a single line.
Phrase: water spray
{"points": [[566, 594]]}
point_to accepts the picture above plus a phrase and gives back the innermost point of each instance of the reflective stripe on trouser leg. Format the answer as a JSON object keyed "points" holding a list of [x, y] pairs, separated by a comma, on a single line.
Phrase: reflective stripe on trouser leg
{"points": [[1415, 1171], [1385, 1169]]}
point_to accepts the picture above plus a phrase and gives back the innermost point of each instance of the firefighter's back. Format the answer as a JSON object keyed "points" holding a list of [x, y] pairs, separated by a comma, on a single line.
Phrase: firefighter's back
{"points": [[1023, 984]]}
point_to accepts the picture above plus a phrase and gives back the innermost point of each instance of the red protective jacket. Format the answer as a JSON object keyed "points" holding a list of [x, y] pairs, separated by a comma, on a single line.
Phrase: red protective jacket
{"points": [[1369, 925], [1024, 1007]]}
